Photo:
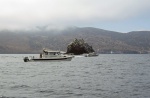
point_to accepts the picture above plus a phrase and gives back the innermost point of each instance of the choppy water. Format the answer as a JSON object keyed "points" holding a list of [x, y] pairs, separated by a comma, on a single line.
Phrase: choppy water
{"points": [[106, 76]]}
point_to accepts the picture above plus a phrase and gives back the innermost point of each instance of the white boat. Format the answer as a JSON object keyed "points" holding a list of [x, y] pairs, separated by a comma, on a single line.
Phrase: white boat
{"points": [[48, 55], [91, 54]]}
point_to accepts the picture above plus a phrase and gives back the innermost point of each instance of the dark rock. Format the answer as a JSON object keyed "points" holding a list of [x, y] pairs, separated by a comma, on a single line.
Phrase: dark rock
{"points": [[79, 46]]}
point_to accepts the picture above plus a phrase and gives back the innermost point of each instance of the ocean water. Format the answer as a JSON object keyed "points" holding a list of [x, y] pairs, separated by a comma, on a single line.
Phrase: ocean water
{"points": [[105, 76]]}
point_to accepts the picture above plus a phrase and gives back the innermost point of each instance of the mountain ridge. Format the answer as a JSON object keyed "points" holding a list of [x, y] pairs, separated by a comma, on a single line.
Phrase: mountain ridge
{"points": [[103, 41]]}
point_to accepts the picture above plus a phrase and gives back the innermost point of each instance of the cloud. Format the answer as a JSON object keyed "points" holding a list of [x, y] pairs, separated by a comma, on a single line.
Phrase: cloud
{"points": [[18, 14]]}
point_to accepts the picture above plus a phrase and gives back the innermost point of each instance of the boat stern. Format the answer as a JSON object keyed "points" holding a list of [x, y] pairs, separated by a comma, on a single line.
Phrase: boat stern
{"points": [[26, 59]]}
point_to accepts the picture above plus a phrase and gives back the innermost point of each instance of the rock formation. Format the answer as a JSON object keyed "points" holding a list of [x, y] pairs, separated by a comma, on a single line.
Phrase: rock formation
{"points": [[79, 46]]}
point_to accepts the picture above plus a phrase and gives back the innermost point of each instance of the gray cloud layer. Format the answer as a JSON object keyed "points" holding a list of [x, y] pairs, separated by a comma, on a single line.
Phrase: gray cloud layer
{"points": [[18, 14]]}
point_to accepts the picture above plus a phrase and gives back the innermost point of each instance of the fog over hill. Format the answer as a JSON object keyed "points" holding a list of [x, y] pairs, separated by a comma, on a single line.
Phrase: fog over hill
{"points": [[103, 41]]}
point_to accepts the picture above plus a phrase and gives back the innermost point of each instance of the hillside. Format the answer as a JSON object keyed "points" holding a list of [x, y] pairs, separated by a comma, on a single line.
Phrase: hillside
{"points": [[103, 41]]}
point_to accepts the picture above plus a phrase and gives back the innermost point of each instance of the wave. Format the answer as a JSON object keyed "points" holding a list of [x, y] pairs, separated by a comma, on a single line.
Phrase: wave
{"points": [[11, 97], [19, 86]]}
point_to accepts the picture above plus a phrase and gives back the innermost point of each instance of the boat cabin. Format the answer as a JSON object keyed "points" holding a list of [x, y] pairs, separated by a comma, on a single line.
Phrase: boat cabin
{"points": [[47, 53]]}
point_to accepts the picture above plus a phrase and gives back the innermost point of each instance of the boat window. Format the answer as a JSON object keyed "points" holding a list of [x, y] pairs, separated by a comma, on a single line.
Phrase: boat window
{"points": [[46, 53], [51, 53]]}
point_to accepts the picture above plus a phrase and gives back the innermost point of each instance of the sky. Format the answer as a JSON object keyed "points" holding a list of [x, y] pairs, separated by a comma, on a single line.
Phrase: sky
{"points": [[115, 15]]}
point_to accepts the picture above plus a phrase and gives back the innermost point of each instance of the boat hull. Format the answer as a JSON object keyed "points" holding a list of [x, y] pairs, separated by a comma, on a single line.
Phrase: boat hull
{"points": [[49, 59]]}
